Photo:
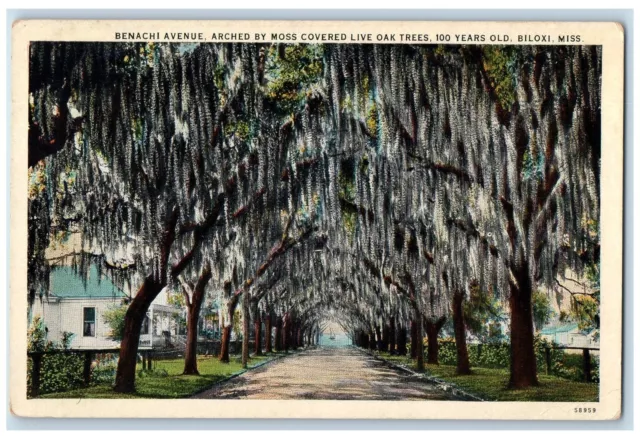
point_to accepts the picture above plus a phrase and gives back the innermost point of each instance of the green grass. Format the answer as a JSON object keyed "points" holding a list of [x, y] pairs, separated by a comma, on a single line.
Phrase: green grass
{"points": [[166, 379], [491, 384]]}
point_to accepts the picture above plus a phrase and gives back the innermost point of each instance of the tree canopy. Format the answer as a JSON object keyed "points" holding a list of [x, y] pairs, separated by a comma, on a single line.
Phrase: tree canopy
{"points": [[375, 181]]}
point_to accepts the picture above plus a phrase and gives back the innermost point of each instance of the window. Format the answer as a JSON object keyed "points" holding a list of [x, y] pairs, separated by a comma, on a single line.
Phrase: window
{"points": [[145, 326], [89, 326]]}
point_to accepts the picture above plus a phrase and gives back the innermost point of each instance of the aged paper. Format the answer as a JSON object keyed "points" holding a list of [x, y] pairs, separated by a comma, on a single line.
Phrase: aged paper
{"points": [[262, 219]]}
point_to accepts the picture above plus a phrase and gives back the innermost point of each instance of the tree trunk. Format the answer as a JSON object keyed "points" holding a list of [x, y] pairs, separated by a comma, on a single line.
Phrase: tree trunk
{"points": [[126, 373], [246, 322], [226, 332], [414, 339], [278, 337], [392, 335], [293, 341], [257, 329], [224, 344], [267, 334], [285, 333], [463, 367], [190, 354], [402, 340], [193, 314], [433, 329], [378, 338], [419, 341], [385, 338], [523, 358], [372, 340]]}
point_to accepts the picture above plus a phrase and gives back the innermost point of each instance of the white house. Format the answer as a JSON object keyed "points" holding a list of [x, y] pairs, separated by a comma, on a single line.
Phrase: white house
{"points": [[570, 335], [78, 307]]}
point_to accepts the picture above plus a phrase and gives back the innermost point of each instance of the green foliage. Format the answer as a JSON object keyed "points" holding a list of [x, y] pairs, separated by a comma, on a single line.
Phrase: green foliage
{"points": [[37, 335], [492, 383], [114, 318], [585, 309], [165, 381], [219, 77], [67, 338], [291, 71], [153, 373], [58, 371], [237, 324], [502, 65], [498, 356], [240, 129], [105, 370], [176, 300], [570, 366], [347, 192], [483, 314], [542, 310], [373, 120]]}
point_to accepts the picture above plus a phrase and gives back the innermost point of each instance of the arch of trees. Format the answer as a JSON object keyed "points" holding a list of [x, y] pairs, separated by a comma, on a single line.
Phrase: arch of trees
{"points": [[380, 183]]}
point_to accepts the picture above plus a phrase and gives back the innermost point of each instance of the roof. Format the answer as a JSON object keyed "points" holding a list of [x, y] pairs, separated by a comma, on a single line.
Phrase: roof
{"points": [[64, 282], [560, 328]]}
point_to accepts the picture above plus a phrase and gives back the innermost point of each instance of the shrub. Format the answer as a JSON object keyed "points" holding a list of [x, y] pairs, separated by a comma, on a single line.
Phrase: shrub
{"points": [[58, 371], [447, 353], [498, 355], [105, 368], [114, 318]]}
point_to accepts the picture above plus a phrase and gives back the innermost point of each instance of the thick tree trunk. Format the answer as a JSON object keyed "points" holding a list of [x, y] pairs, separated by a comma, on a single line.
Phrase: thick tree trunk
{"points": [[126, 373], [414, 339], [294, 336], [286, 329], [190, 353], [523, 358], [392, 335], [224, 344], [257, 329], [246, 325], [232, 303], [402, 340], [419, 341], [433, 329], [278, 337], [379, 338], [267, 334], [463, 367], [193, 315], [372, 340]]}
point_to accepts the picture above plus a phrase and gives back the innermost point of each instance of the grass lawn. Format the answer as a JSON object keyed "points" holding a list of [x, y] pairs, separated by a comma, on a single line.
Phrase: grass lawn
{"points": [[491, 384], [166, 379]]}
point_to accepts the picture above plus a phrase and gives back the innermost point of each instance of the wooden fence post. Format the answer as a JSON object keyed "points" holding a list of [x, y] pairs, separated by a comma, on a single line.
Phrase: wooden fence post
{"points": [[86, 373], [586, 365], [149, 365], [547, 357], [36, 359]]}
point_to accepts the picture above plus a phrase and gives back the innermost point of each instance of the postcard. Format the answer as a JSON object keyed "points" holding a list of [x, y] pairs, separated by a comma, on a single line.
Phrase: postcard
{"points": [[297, 219]]}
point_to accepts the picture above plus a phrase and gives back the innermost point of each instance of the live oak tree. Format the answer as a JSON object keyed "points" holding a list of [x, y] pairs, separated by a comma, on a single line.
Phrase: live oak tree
{"points": [[416, 171], [503, 174]]}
